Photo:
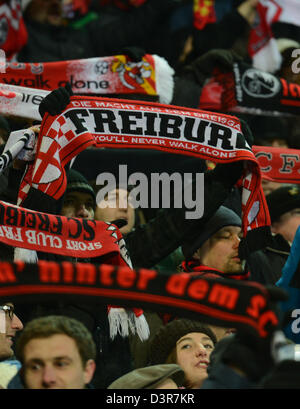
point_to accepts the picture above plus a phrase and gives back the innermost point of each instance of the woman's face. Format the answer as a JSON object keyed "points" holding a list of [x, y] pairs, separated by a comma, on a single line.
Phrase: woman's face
{"points": [[193, 353]]}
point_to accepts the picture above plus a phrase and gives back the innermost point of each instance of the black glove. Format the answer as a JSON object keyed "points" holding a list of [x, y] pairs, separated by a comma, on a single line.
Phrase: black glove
{"points": [[134, 53], [202, 67], [119, 223], [56, 101], [228, 173]]}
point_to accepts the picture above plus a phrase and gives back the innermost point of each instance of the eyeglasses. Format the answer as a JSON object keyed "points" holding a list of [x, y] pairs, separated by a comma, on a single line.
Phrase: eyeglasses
{"points": [[8, 309]]}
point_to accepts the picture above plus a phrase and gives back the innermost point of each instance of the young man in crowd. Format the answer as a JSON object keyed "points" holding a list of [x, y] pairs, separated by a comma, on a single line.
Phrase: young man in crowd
{"points": [[56, 352]]}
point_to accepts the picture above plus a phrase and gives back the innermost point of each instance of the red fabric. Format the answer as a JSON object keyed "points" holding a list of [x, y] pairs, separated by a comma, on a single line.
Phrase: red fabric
{"points": [[204, 13], [13, 33], [261, 33], [73, 237], [196, 269], [123, 4], [105, 75], [82, 6], [280, 165], [58, 143]]}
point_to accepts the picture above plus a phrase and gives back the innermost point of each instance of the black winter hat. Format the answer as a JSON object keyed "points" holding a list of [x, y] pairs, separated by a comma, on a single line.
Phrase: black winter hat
{"points": [[76, 182], [166, 337], [282, 200], [223, 217]]}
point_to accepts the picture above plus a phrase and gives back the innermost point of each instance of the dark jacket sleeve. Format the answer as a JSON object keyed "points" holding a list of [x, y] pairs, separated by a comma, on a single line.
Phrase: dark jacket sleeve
{"points": [[150, 243], [223, 377]]}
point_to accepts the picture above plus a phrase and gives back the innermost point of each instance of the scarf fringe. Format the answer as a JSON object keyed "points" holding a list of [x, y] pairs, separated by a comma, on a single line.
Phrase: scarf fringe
{"points": [[142, 328], [29, 256], [124, 322], [164, 80]]}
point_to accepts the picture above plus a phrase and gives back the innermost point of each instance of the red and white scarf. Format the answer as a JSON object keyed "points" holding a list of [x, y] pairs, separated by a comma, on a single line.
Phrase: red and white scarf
{"points": [[105, 123], [280, 165], [13, 33], [101, 76], [21, 101], [262, 46]]}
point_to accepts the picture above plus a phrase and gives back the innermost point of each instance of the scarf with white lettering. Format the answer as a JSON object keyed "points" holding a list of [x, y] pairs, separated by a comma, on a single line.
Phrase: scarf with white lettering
{"points": [[218, 301], [21, 101], [102, 122], [280, 165], [72, 237], [253, 90], [48, 233], [102, 76]]}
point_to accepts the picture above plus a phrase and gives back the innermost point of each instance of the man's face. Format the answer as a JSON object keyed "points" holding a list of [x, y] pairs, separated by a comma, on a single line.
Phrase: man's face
{"points": [[10, 323], [221, 250], [78, 204], [117, 206], [55, 363], [287, 224]]}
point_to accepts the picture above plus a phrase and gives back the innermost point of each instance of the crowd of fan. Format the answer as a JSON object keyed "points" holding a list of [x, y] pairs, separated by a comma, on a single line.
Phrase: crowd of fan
{"points": [[69, 346]]}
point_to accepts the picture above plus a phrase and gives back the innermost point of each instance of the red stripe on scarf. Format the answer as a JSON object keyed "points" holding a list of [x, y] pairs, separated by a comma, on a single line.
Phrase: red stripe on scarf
{"points": [[220, 302], [280, 165]]}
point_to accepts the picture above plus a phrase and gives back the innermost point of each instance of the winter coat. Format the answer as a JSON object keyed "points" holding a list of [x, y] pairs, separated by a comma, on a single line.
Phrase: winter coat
{"points": [[290, 281], [266, 265]]}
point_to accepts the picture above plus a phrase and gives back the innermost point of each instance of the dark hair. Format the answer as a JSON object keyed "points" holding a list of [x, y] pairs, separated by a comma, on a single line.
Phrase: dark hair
{"points": [[45, 327]]}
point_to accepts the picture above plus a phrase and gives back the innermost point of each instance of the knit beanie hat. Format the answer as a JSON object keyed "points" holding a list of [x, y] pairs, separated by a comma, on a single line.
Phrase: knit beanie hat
{"points": [[282, 200], [78, 183], [166, 337], [149, 377], [223, 217]]}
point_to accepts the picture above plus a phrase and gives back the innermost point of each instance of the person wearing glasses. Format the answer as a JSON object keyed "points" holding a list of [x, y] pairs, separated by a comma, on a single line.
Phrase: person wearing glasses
{"points": [[9, 325]]}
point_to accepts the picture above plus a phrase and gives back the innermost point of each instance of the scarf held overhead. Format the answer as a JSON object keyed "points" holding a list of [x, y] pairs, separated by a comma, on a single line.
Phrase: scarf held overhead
{"points": [[253, 89], [74, 237], [222, 302], [102, 75], [21, 101], [102, 122], [278, 164]]}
